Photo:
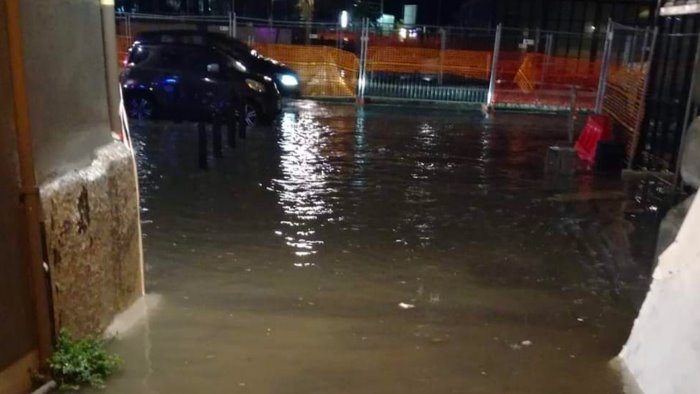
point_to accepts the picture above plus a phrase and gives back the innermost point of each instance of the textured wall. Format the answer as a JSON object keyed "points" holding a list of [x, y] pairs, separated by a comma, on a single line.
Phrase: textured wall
{"points": [[663, 352], [93, 241], [66, 86]]}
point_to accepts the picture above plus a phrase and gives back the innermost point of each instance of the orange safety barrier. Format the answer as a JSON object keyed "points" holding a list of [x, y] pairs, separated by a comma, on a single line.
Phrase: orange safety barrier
{"points": [[537, 69], [523, 79], [625, 101], [597, 129], [468, 64], [324, 70]]}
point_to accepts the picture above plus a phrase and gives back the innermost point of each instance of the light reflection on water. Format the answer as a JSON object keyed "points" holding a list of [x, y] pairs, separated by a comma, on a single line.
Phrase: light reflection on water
{"points": [[260, 259], [302, 190]]}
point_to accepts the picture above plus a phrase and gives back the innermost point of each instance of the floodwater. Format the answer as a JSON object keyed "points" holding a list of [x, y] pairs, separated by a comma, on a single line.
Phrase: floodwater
{"points": [[381, 250]]}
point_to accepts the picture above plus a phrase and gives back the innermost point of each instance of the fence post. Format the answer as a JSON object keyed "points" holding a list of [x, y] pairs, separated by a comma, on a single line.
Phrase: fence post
{"points": [[443, 45], [230, 24], [644, 47], [640, 118], [627, 54], [572, 114], [494, 65], [603, 81], [128, 26], [235, 25], [362, 78]]}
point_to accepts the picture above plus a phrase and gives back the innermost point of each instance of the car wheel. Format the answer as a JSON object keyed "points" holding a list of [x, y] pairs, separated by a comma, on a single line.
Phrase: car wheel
{"points": [[140, 107], [250, 115]]}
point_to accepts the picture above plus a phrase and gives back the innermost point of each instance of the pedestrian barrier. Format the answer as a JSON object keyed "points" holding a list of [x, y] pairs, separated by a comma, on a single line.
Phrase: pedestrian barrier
{"points": [[597, 129], [625, 101]]}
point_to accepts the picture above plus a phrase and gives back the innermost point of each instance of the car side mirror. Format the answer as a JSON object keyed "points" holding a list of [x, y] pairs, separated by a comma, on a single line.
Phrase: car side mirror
{"points": [[213, 68]]}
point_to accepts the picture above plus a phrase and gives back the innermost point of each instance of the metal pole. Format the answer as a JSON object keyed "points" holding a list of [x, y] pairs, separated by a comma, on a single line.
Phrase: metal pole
{"points": [[272, 11], [645, 42], [677, 181], [235, 26], [363, 62], [572, 114], [603, 81], [627, 54], [640, 119], [443, 44], [230, 24], [494, 65], [549, 44]]}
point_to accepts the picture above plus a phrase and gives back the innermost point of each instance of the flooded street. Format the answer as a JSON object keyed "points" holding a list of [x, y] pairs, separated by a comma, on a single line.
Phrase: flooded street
{"points": [[381, 250]]}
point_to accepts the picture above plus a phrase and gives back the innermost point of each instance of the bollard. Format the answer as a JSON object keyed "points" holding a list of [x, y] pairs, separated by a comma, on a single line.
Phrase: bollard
{"points": [[217, 138], [231, 136], [202, 139]]}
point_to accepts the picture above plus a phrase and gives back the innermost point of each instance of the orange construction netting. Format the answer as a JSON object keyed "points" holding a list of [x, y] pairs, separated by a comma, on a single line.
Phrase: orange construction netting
{"points": [[625, 101], [537, 68], [324, 71], [468, 64], [523, 79]]}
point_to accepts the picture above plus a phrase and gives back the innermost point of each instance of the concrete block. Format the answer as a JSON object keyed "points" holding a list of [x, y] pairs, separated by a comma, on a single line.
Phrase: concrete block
{"points": [[671, 225], [663, 351], [93, 241]]}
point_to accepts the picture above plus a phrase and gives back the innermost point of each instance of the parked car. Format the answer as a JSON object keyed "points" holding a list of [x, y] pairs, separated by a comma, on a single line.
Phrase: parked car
{"points": [[195, 83], [286, 79]]}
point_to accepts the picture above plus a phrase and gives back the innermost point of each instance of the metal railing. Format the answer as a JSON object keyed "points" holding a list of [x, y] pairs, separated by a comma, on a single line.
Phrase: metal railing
{"points": [[500, 67]]}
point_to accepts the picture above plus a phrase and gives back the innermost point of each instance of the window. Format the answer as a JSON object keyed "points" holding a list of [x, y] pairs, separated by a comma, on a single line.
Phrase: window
{"points": [[170, 57], [199, 58]]}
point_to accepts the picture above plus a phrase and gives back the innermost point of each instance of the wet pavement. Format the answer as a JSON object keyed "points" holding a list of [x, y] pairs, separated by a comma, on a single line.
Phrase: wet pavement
{"points": [[384, 250]]}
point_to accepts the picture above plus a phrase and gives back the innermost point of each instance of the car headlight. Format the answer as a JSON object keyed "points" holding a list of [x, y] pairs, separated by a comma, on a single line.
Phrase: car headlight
{"points": [[289, 80], [255, 85]]}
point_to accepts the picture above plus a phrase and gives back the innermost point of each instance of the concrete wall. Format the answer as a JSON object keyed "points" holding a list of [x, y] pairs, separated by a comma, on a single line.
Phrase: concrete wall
{"points": [[93, 240], [663, 352], [87, 180], [65, 68]]}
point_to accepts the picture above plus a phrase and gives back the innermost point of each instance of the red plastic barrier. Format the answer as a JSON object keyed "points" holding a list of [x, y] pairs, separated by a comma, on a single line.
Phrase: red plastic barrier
{"points": [[597, 129]]}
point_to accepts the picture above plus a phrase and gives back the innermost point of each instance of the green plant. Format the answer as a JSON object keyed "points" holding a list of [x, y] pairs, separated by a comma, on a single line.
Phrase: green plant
{"points": [[77, 363]]}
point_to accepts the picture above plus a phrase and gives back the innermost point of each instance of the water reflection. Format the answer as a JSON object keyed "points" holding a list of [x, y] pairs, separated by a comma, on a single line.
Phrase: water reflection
{"points": [[459, 247], [303, 188]]}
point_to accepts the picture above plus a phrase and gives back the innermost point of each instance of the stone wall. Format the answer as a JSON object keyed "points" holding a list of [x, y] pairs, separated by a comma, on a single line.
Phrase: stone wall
{"points": [[93, 240]]}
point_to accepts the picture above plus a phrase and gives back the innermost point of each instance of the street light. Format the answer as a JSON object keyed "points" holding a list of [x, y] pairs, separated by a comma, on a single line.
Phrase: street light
{"points": [[344, 19]]}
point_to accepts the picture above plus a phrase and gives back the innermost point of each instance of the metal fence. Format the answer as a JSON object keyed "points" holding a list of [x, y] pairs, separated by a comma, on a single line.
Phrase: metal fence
{"points": [[501, 68], [625, 71]]}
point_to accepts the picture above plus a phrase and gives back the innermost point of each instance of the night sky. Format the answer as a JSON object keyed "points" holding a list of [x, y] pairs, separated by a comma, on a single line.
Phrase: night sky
{"points": [[326, 10]]}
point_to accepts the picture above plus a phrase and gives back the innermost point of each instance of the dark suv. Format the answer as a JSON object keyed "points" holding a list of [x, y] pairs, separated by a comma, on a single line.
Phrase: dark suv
{"points": [[286, 79], [195, 83]]}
